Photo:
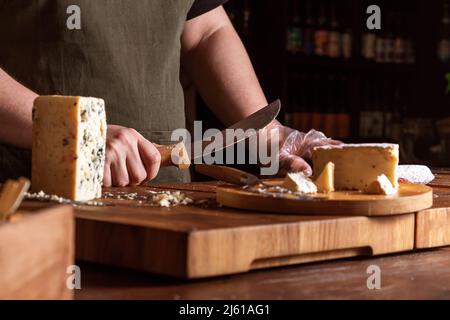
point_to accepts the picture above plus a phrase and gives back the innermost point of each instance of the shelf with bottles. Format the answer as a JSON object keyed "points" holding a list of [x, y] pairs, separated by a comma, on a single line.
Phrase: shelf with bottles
{"points": [[354, 65], [318, 30], [325, 34]]}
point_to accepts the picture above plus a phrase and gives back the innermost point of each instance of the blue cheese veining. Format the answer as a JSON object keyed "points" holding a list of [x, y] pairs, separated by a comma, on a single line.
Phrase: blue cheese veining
{"points": [[69, 138]]}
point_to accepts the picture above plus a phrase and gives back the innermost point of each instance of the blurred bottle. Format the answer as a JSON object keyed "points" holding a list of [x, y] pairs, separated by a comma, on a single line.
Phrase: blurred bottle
{"points": [[346, 37], [343, 115], [399, 43], [334, 44], [308, 34], [316, 103], [389, 40], [364, 113], [304, 117], [444, 43], [398, 114], [376, 113], [391, 99], [294, 37], [380, 46], [330, 112], [410, 54], [246, 19], [369, 45], [321, 35]]}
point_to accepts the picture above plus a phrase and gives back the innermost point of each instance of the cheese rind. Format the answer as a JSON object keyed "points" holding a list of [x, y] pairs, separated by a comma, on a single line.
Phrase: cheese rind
{"points": [[68, 152], [381, 186], [358, 165], [325, 181], [298, 182]]}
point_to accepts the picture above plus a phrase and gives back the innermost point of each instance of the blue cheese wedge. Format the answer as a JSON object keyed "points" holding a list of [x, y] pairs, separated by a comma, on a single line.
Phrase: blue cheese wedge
{"points": [[299, 183], [68, 152], [356, 166]]}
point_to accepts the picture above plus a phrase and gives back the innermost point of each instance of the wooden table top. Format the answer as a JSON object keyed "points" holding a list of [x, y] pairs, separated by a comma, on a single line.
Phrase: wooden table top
{"points": [[415, 275]]}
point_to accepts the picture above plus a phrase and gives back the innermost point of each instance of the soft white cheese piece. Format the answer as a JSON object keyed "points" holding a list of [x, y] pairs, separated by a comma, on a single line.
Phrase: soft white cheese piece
{"points": [[298, 182], [68, 152], [358, 165], [325, 181], [381, 186], [415, 173]]}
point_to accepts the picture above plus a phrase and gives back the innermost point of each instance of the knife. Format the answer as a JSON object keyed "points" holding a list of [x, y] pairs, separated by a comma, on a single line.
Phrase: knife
{"points": [[227, 174], [182, 159]]}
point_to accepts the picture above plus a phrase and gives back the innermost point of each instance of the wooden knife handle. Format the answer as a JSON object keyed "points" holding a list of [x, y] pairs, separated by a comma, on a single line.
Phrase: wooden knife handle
{"points": [[223, 173], [174, 155]]}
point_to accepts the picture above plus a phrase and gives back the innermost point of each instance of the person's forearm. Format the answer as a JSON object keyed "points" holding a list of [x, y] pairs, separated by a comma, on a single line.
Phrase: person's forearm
{"points": [[222, 72], [16, 103]]}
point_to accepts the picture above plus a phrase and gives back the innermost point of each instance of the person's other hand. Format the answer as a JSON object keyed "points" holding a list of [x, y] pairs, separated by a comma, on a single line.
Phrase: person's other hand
{"points": [[130, 158], [296, 148]]}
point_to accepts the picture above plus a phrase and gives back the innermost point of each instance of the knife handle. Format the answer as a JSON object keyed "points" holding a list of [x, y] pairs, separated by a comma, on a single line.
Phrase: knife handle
{"points": [[180, 156], [226, 174]]}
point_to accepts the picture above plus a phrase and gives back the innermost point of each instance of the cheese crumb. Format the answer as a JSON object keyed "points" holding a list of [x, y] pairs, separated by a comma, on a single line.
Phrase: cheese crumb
{"points": [[298, 182], [381, 186]]}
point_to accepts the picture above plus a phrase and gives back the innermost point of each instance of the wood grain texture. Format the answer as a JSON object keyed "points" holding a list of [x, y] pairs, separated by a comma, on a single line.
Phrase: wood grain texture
{"points": [[412, 275], [433, 225], [35, 252], [195, 242], [410, 198]]}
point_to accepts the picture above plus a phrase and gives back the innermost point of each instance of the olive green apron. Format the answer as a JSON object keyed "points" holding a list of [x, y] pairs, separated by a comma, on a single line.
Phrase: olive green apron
{"points": [[127, 52]]}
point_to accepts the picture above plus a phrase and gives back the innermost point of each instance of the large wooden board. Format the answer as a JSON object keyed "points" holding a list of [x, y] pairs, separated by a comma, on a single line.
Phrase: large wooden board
{"points": [[195, 242], [409, 198], [35, 253], [433, 225]]}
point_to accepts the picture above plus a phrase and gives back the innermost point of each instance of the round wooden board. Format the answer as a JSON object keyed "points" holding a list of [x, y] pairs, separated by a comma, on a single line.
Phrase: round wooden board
{"points": [[409, 198]]}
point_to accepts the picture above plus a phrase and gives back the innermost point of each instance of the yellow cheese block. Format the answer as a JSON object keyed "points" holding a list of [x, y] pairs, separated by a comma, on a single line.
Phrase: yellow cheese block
{"points": [[325, 181], [68, 152], [358, 165]]}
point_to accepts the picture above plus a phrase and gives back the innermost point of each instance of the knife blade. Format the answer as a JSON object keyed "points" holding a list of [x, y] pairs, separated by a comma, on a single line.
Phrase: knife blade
{"points": [[184, 155]]}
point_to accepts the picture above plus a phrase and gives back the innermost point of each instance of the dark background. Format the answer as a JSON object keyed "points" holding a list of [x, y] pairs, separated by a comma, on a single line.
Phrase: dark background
{"points": [[409, 97]]}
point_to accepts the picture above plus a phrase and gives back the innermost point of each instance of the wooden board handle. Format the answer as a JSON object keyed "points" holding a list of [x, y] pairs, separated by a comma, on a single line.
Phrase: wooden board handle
{"points": [[174, 155], [226, 174]]}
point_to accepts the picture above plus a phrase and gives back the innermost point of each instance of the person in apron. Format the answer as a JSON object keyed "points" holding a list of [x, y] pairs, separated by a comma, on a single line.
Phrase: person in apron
{"points": [[126, 52], [129, 53]]}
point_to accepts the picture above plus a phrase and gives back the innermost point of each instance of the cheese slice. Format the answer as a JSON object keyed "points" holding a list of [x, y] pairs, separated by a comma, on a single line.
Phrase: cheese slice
{"points": [[325, 181], [381, 186], [68, 152], [298, 182], [358, 165]]}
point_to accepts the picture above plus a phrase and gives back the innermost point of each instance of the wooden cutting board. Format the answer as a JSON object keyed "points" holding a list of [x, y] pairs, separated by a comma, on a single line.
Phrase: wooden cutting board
{"points": [[433, 225], [409, 198], [35, 252], [208, 240]]}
